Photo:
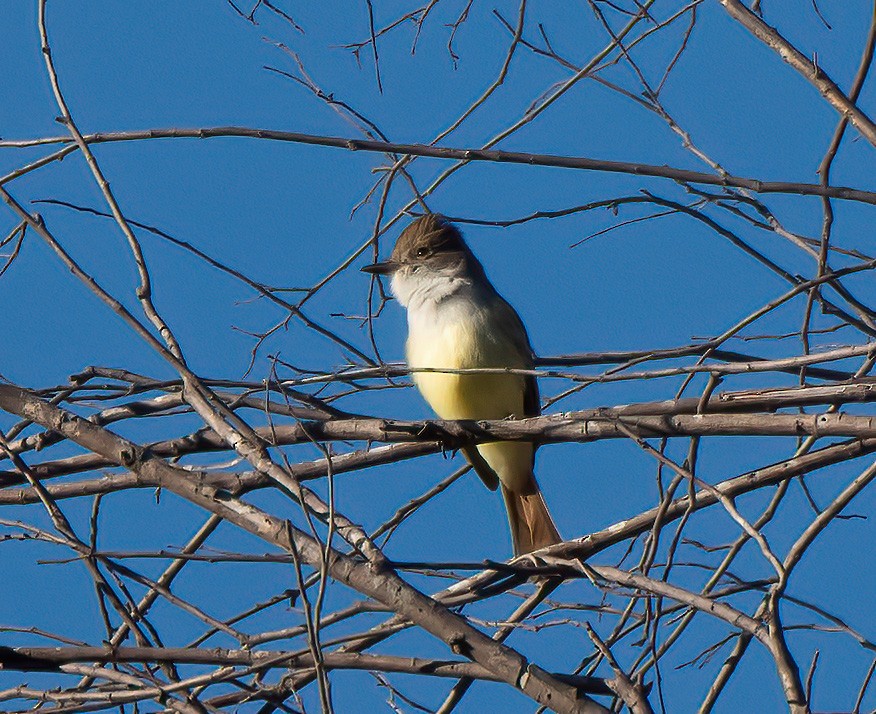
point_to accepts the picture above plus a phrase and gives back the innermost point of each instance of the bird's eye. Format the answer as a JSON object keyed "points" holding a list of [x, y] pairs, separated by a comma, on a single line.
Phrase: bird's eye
{"points": [[422, 252]]}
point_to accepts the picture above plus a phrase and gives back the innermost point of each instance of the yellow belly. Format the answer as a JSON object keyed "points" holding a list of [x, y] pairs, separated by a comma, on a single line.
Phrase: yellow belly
{"points": [[474, 396], [465, 396]]}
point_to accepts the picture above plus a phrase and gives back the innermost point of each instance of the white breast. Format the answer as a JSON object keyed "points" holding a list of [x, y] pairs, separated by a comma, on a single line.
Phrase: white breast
{"points": [[444, 335]]}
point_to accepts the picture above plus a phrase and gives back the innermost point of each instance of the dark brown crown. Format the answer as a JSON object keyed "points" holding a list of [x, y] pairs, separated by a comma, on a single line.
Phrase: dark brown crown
{"points": [[427, 236]]}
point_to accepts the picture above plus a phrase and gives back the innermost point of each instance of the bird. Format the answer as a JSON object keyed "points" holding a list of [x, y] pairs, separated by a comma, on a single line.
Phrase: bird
{"points": [[458, 321]]}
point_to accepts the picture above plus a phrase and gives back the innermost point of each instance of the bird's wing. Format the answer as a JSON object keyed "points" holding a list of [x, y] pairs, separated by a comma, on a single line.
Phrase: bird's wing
{"points": [[481, 467], [514, 333], [510, 332]]}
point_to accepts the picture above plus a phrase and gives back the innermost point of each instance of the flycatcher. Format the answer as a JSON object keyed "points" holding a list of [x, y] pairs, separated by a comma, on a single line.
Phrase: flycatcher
{"points": [[457, 321]]}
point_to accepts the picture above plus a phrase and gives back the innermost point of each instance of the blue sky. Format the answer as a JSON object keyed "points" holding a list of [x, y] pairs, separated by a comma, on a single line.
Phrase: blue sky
{"points": [[280, 213]]}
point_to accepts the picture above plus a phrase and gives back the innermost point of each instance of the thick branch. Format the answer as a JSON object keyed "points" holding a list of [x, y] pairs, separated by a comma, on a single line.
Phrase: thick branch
{"points": [[563, 427], [44, 658], [383, 585], [671, 418], [490, 155]]}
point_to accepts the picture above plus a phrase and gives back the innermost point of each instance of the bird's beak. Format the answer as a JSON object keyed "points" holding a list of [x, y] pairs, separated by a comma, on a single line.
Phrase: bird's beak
{"points": [[386, 268]]}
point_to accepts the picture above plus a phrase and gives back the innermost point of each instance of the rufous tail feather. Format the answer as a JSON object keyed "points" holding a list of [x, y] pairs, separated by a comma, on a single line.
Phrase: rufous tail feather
{"points": [[531, 524]]}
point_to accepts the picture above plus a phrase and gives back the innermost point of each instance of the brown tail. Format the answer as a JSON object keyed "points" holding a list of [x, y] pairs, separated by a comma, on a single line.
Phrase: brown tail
{"points": [[531, 525]]}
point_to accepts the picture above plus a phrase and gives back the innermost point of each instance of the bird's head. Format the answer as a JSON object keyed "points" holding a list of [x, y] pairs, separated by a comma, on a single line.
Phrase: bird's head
{"points": [[430, 259]]}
